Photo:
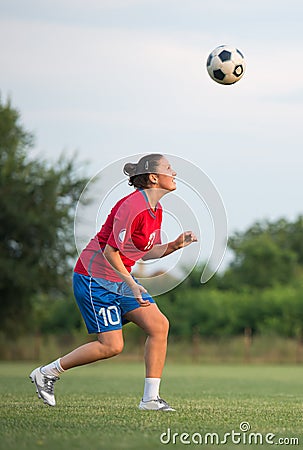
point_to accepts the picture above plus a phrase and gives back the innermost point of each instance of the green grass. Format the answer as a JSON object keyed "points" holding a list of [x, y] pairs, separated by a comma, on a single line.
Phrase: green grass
{"points": [[97, 406]]}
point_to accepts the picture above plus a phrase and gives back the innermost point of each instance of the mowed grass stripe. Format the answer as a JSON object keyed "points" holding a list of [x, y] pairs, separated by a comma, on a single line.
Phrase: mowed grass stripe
{"points": [[97, 405]]}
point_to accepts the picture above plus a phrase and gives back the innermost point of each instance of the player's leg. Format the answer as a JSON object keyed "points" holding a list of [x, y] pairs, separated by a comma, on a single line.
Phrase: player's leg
{"points": [[156, 326], [109, 344], [102, 315]]}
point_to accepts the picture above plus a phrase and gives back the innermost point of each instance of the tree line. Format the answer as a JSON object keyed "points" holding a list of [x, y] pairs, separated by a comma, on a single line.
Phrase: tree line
{"points": [[37, 202], [261, 289]]}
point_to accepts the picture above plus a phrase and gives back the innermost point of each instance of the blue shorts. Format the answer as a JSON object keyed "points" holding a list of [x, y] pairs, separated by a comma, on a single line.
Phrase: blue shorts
{"points": [[103, 303]]}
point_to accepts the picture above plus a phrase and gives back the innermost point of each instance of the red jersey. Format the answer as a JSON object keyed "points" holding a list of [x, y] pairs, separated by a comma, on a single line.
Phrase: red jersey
{"points": [[132, 227]]}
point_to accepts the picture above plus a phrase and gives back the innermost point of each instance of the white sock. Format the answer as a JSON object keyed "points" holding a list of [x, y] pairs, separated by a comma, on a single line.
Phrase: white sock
{"points": [[53, 369], [151, 389]]}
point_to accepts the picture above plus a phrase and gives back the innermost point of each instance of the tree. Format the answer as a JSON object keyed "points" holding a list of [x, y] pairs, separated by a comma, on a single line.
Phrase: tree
{"points": [[265, 255], [37, 202]]}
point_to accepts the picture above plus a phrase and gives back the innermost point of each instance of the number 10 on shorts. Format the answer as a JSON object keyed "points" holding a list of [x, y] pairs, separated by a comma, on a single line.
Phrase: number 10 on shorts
{"points": [[110, 315]]}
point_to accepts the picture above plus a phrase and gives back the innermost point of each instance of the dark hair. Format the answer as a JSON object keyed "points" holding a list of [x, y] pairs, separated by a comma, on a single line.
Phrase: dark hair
{"points": [[138, 173]]}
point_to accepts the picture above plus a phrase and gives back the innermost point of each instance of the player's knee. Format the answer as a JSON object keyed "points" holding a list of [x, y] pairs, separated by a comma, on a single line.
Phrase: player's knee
{"points": [[116, 348], [165, 326], [108, 349], [161, 327]]}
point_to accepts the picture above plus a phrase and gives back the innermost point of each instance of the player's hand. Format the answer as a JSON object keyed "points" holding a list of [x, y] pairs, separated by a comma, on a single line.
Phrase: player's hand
{"points": [[185, 239], [138, 290]]}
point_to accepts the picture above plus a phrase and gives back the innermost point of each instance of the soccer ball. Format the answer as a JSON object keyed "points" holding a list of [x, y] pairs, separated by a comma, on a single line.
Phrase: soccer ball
{"points": [[226, 65]]}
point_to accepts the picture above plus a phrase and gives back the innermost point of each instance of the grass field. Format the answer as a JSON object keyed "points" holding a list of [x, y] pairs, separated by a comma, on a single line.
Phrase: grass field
{"points": [[97, 407]]}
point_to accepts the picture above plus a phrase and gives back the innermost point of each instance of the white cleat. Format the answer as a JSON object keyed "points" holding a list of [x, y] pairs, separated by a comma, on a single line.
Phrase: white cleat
{"points": [[156, 405], [44, 386]]}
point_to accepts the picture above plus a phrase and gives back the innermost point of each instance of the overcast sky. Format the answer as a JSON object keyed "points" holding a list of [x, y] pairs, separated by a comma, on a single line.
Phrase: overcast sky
{"points": [[112, 78]]}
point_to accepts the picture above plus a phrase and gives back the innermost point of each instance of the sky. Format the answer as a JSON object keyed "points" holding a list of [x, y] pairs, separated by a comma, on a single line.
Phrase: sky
{"points": [[112, 78]]}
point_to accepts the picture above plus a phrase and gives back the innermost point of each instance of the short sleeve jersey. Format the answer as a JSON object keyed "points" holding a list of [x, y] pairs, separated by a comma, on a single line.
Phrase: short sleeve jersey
{"points": [[132, 227]]}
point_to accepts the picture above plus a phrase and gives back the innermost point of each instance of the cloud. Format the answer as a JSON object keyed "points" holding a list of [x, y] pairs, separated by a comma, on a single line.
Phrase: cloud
{"points": [[254, 19], [116, 78], [293, 97], [139, 79]]}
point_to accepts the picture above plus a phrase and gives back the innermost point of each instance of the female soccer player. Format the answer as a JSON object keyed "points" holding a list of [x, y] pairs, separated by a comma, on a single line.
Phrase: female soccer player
{"points": [[107, 294]]}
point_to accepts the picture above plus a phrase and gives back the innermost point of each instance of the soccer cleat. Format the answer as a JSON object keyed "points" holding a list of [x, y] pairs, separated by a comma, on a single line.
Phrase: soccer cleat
{"points": [[156, 405], [44, 386]]}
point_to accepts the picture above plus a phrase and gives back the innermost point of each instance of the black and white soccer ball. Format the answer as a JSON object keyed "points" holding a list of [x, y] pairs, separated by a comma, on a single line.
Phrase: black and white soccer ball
{"points": [[226, 65]]}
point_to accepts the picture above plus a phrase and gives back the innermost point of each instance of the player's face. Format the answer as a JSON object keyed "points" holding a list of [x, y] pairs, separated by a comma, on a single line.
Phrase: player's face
{"points": [[166, 175]]}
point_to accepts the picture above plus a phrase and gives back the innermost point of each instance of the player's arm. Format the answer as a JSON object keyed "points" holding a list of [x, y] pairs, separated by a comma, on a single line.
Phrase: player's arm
{"points": [[161, 250], [113, 257]]}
